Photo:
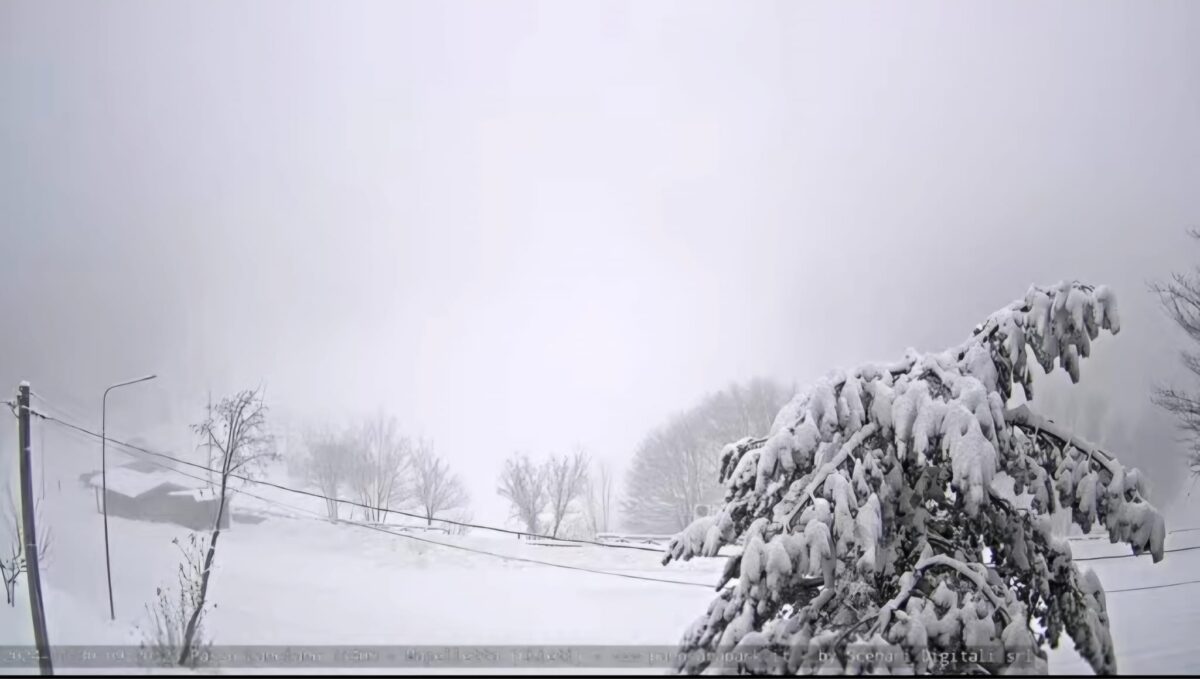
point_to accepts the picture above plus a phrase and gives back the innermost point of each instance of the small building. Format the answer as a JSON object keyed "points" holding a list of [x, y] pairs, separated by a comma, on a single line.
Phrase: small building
{"points": [[145, 492]]}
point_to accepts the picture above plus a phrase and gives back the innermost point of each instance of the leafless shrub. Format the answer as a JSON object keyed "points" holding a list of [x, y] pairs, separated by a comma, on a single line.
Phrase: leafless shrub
{"points": [[175, 607]]}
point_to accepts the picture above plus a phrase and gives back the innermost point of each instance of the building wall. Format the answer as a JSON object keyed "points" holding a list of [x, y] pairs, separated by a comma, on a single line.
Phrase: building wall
{"points": [[159, 506]]}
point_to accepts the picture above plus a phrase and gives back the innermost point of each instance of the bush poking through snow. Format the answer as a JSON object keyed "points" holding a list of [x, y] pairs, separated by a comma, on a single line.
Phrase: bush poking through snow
{"points": [[13, 563], [169, 615], [897, 518]]}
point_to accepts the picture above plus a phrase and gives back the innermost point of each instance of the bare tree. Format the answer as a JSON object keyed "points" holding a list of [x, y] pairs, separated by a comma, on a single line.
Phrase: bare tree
{"points": [[671, 474], [675, 466], [523, 484], [328, 464], [1180, 298], [435, 488], [236, 430], [599, 496], [566, 480], [382, 461], [13, 564]]}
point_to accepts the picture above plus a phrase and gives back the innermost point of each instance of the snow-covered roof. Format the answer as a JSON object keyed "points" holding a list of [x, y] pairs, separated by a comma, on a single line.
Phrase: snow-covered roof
{"points": [[198, 493], [132, 483], [144, 466]]}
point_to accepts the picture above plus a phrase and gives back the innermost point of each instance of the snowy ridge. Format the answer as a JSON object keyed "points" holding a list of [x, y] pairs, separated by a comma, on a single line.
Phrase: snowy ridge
{"points": [[904, 505]]}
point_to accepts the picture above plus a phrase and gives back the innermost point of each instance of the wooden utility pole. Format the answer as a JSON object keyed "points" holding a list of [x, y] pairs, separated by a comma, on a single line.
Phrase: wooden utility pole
{"points": [[32, 573]]}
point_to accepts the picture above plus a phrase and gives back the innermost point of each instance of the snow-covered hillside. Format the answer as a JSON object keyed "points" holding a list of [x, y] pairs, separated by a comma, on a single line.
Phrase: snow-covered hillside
{"points": [[292, 579]]}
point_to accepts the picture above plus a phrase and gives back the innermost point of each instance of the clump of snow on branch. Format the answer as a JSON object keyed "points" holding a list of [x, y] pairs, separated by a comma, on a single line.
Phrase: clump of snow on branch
{"points": [[904, 508]]}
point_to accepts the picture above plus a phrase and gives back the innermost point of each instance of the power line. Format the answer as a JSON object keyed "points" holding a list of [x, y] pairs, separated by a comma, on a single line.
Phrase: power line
{"points": [[1130, 556], [506, 557], [299, 491], [444, 544], [67, 412], [1137, 589], [584, 569], [451, 521], [503, 530], [1089, 537]]}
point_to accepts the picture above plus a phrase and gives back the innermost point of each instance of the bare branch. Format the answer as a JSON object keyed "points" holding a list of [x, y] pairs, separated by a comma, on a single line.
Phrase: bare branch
{"points": [[566, 477], [599, 496], [241, 421], [523, 484], [328, 464], [676, 466], [1180, 299], [381, 461], [435, 488]]}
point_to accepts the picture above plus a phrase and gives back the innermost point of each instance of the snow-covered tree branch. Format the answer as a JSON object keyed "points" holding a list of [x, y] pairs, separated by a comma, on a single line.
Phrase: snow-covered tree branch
{"points": [[907, 506]]}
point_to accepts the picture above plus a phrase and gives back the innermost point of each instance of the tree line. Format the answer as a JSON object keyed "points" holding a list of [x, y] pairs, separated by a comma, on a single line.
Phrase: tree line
{"points": [[543, 496], [674, 468], [373, 464], [673, 472]]}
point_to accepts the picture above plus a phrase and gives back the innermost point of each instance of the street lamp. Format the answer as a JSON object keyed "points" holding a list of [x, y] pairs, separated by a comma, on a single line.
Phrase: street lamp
{"points": [[104, 481]]}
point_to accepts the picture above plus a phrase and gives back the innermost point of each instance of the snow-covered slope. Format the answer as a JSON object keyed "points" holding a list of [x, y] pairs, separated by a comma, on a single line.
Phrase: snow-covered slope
{"points": [[291, 579]]}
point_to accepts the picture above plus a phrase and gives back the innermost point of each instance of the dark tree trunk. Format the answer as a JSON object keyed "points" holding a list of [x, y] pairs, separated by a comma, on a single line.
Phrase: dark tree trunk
{"points": [[190, 633]]}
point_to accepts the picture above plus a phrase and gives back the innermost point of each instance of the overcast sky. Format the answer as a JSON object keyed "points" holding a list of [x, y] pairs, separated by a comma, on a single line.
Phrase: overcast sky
{"points": [[529, 226]]}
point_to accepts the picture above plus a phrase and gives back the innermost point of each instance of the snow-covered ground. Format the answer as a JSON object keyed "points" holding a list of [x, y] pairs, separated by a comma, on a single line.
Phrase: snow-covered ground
{"points": [[1154, 630], [294, 579]]}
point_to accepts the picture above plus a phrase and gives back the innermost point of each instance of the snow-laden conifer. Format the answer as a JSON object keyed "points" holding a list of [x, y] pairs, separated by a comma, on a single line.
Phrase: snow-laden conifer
{"points": [[897, 517]]}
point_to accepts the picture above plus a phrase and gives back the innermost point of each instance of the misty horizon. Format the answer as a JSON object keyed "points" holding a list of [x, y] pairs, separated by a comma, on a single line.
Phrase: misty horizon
{"points": [[442, 239], [541, 228]]}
